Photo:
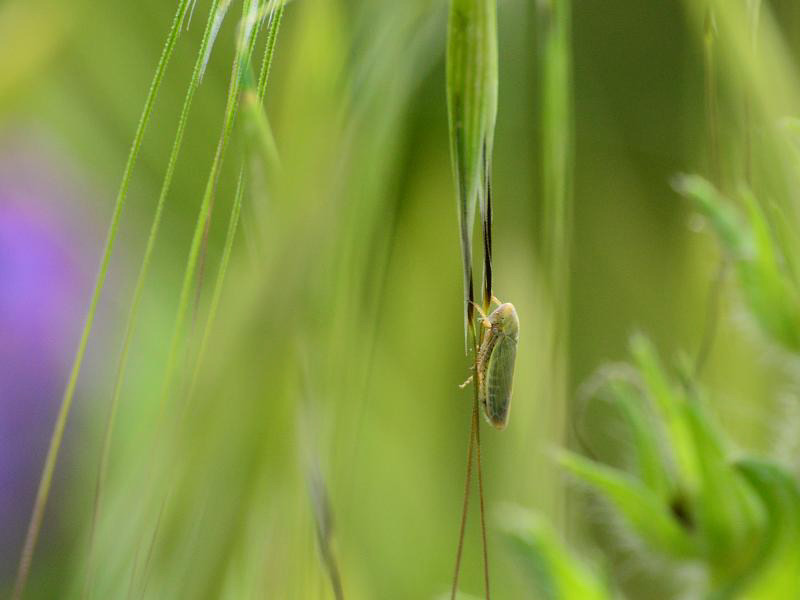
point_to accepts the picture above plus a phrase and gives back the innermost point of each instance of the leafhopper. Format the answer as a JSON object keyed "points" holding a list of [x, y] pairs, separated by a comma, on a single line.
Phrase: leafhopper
{"points": [[497, 355]]}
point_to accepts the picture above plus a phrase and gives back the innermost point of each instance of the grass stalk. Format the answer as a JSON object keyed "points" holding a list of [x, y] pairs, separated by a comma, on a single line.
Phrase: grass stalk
{"points": [[219, 284], [272, 34], [474, 446], [244, 51], [472, 67], [138, 290], [245, 43], [45, 483], [477, 427], [465, 504], [274, 21]]}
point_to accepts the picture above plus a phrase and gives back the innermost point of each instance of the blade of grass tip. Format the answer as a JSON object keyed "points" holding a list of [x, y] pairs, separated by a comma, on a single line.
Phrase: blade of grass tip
{"points": [[43, 492], [251, 235], [472, 108], [192, 6], [272, 32], [218, 20], [139, 288], [276, 15]]}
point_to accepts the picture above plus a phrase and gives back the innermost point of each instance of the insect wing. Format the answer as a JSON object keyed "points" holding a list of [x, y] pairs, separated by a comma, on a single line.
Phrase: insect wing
{"points": [[499, 379]]}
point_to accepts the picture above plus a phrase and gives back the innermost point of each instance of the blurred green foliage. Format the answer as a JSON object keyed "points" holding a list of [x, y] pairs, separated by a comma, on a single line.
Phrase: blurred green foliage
{"points": [[337, 349]]}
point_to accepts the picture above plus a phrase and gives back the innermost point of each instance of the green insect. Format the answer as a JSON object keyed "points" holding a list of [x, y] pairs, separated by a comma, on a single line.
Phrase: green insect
{"points": [[497, 355]]}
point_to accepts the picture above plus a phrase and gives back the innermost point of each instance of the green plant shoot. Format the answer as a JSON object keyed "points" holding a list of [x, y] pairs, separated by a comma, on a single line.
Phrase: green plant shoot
{"points": [[496, 358]]}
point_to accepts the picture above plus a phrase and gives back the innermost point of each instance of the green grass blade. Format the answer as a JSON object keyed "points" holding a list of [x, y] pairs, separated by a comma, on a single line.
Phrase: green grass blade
{"points": [[276, 15], [43, 492], [219, 284], [649, 460], [140, 281], [472, 111], [253, 111], [669, 402], [648, 515], [761, 258], [775, 572], [247, 35]]}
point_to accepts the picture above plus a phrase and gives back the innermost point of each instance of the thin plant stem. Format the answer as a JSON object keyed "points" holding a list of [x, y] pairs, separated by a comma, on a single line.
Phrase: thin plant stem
{"points": [[134, 568], [477, 427], [240, 61], [474, 444], [272, 33], [465, 507], [267, 61], [219, 285], [152, 545], [45, 482], [137, 294]]}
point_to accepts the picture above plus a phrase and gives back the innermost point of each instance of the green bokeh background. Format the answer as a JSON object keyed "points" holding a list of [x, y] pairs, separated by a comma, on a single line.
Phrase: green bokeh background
{"points": [[339, 341]]}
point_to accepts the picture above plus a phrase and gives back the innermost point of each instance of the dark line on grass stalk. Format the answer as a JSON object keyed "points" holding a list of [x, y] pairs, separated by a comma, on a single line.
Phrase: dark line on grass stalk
{"points": [[151, 548], [324, 526], [487, 233], [135, 567]]}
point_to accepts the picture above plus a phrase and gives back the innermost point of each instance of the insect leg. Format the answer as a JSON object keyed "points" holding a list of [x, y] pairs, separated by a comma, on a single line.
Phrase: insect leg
{"points": [[484, 319]]}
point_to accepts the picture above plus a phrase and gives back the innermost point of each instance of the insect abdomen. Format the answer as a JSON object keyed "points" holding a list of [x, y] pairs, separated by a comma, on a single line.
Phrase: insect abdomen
{"points": [[498, 381]]}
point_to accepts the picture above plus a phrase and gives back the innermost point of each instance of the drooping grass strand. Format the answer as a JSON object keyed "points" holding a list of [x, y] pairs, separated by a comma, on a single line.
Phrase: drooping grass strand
{"points": [[139, 288], [43, 492]]}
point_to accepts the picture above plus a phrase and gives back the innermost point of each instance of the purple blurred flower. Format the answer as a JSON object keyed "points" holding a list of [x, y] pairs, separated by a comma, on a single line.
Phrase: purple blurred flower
{"points": [[45, 277]]}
